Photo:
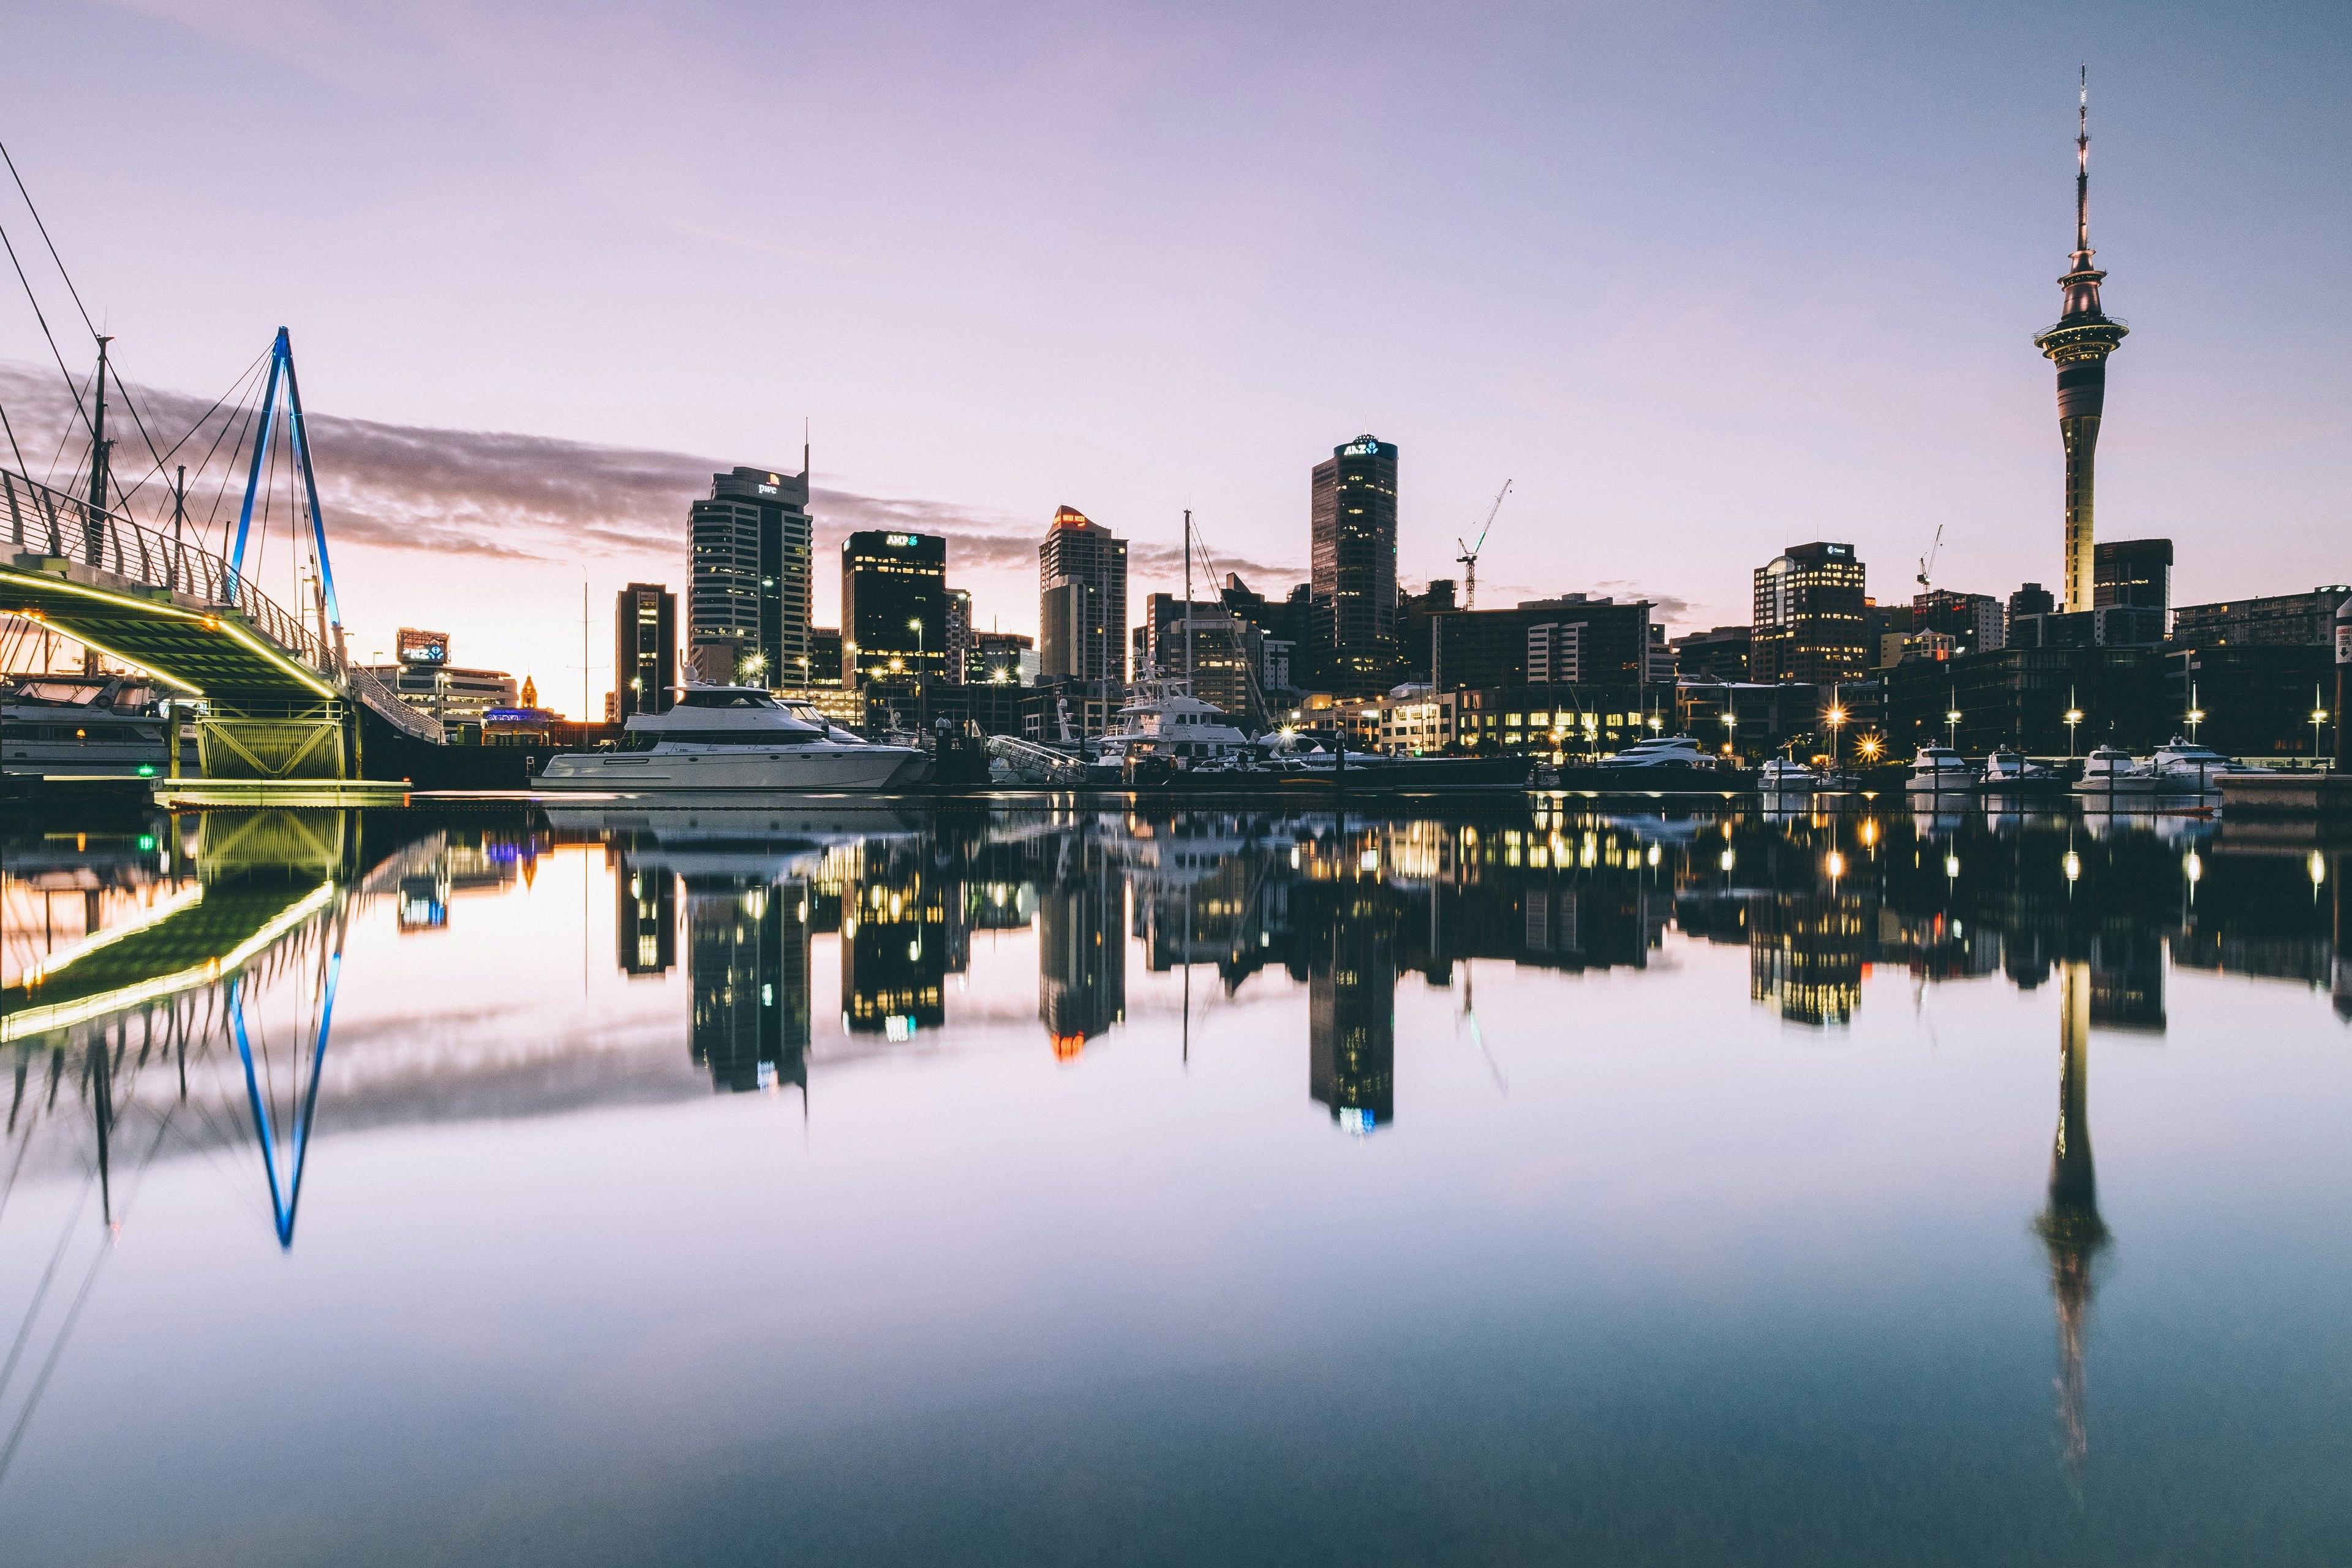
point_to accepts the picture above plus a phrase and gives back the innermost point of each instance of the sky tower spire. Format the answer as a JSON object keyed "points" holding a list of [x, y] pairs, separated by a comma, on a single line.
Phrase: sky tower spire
{"points": [[2079, 346], [2082, 172]]}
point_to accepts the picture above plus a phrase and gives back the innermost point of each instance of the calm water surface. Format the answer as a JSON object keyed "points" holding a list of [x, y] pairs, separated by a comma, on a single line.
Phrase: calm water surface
{"points": [[1033, 1187]]}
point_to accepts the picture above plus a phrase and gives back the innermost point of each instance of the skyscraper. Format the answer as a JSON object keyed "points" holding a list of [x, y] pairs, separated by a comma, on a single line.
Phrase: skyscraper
{"points": [[958, 636], [2136, 572], [1082, 600], [1809, 620], [2079, 346], [894, 606], [1352, 573], [644, 649], [748, 600]]}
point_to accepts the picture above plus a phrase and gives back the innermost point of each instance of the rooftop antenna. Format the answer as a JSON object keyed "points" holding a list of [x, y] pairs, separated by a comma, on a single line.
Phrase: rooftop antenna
{"points": [[1469, 556]]}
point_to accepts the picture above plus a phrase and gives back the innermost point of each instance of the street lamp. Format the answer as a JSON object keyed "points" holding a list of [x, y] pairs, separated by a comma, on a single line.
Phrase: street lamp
{"points": [[2318, 717], [1868, 747], [915, 625], [1835, 717], [2073, 717], [1952, 725]]}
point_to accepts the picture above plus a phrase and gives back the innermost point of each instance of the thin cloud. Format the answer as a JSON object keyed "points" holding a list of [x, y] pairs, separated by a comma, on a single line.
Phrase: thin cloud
{"points": [[497, 494]]}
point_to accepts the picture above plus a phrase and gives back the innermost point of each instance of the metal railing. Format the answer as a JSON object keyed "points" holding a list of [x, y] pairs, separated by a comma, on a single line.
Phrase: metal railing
{"points": [[1027, 756], [52, 523]]}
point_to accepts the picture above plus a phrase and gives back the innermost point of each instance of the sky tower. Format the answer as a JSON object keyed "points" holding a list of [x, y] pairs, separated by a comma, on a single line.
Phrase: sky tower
{"points": [[2079, 346]]}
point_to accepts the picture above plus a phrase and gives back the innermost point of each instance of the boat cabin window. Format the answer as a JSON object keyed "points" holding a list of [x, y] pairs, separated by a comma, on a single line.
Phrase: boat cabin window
{"points": [[749, 740], [725, 697]]}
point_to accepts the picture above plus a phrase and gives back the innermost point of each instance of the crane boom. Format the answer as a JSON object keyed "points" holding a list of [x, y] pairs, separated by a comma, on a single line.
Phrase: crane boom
{"points": [[1928, 562], [1469, 556]]}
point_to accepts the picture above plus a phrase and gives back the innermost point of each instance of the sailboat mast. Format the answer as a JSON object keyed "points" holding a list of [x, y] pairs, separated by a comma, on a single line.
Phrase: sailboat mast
{"points": [[1188, 599]]}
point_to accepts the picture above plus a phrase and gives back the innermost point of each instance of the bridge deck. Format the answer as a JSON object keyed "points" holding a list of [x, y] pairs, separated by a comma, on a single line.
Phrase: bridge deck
{"points": [[177, 611]]}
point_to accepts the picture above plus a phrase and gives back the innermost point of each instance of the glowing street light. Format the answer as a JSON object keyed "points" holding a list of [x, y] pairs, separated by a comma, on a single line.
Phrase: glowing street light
{"points": [[2073, 717], [1868, 747]]}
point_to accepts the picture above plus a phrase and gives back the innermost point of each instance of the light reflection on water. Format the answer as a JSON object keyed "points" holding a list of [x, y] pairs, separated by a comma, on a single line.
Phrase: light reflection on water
{"points": [[1045, 1185]]}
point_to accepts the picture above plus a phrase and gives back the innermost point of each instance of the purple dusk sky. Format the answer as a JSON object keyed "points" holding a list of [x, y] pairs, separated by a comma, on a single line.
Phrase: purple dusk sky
{"points": [[1704, 281]]}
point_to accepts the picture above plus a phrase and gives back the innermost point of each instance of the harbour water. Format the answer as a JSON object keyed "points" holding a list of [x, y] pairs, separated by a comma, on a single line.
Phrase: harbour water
{"points": [[1054, 1186]]}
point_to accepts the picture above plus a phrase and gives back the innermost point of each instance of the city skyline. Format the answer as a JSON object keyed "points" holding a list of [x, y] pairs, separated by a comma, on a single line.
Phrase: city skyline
{"points": [[1791, 188]]}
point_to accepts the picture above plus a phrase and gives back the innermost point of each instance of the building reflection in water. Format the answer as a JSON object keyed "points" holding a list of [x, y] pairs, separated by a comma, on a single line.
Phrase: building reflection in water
{"points": [[1081, 945], [1806, 955], [645, 918], [2070, 1226], [747, 957], [896, 943], [1351, 1013]]}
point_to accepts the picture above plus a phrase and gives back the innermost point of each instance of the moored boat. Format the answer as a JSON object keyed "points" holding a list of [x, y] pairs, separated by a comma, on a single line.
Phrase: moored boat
{"points": [[733, 739], [1940, 771], [2110, 775]]}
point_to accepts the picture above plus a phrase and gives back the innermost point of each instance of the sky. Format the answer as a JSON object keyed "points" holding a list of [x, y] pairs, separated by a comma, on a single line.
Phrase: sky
{"points": [[1701, 281]]}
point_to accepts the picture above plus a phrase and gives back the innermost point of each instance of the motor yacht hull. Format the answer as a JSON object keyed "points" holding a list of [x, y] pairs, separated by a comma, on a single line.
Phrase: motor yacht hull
{"points": [[797, 770]]}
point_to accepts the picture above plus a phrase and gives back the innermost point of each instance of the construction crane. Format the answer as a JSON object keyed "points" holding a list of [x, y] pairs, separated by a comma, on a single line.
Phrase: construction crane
{"points": [[1928, 562], [1469, 556]]}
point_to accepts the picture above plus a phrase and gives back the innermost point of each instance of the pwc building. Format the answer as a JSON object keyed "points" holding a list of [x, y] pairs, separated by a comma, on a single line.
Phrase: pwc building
{"points": [[748, 599]]}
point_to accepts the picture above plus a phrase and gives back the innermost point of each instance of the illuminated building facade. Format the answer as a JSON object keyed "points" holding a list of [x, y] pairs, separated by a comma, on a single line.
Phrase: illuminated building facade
{"points": [[1810, 623], [960, 645], [894, 606], [2137, 571], [645, 650], [747, 598], [1081, 601], [1352, 576], [2079, 346]]}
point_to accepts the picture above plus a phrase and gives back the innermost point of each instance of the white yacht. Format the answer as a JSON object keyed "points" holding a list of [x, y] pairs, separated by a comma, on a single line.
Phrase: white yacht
{"points": [[1661, 751], [1939, 770], [81, 725], [2109, 773], [2008, 772], [1782, 776], [808, 712], [733, 738], [1163, 720], [2186, 767]]}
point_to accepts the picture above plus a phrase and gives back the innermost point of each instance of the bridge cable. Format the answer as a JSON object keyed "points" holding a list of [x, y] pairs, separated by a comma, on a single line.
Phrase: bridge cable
{"points": [[229, 473], [39, 316], [82, 1299], [60, 262], [46, 240], [195, 429]]}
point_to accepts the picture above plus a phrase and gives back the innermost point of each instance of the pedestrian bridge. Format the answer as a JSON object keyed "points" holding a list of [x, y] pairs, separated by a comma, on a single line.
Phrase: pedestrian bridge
{"points": [[276, 699]]}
